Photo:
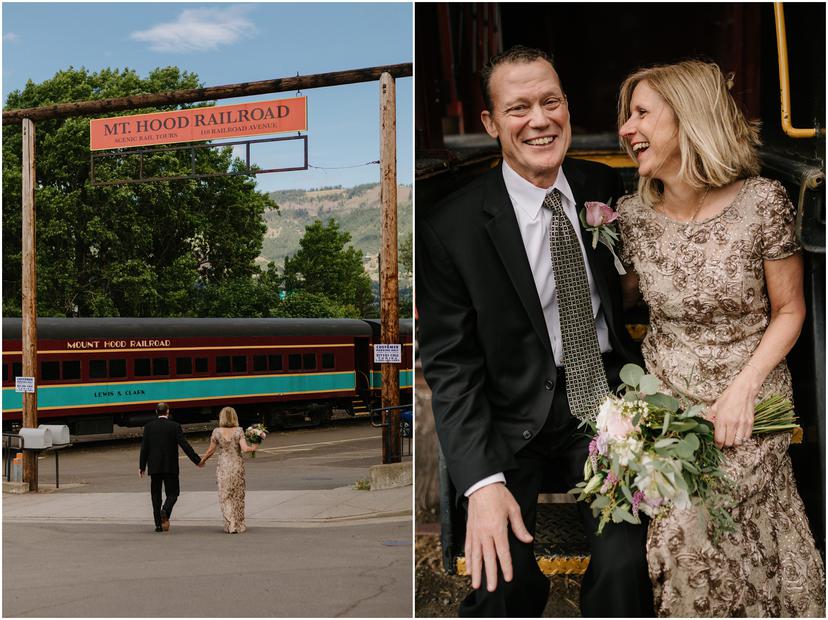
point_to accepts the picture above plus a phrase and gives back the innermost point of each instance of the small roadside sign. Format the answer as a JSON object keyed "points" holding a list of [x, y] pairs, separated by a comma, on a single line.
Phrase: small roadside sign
{"points": [[387, 354], [24, 384]]}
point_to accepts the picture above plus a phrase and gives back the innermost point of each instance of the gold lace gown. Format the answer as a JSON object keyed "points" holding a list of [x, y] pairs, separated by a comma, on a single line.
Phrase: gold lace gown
{"points": [[704, 284], [230, 479]]}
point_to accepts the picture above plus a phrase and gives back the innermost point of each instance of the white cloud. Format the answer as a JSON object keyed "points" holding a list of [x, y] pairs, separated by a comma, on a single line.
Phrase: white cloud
{"points": [[198, 30], [11, 37]]}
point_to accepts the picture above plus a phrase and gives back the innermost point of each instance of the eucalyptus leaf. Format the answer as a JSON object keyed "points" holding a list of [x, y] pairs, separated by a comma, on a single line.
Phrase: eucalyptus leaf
{"points": [[666, 423], [688, 465], [663, 443], [663, 401], [682, 426], [622, 514], [683, 450], [649, 384], [600, 502], [631, 374], [692, 440]]}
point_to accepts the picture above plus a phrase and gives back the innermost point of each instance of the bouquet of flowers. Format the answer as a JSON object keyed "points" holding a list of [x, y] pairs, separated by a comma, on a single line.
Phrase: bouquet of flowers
{"points": [[649, 452], [255, 433]]}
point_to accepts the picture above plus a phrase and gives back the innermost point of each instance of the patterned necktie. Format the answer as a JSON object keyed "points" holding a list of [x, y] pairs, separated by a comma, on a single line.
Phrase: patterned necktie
{"points": [[586, 380]]}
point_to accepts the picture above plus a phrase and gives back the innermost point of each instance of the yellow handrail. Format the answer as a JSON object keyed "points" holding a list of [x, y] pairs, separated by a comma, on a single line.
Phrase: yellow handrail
{"points": [[784, 79]]}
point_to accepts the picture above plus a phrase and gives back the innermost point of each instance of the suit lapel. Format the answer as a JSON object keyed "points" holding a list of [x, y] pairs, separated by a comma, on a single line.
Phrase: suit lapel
{"points": [[505, 233], [598, 257]]}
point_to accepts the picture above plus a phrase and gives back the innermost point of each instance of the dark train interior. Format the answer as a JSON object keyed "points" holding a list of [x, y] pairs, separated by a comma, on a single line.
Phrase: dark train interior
{"points": [[595, 46]]}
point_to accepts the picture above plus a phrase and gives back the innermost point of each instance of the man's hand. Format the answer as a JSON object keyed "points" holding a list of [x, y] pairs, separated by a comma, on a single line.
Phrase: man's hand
{"points": [[491, 510], [140, 473]]}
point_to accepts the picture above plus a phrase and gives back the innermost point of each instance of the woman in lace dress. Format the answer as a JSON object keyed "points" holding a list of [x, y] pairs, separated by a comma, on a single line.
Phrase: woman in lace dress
{"points": [[228, 439], [714, 254]]}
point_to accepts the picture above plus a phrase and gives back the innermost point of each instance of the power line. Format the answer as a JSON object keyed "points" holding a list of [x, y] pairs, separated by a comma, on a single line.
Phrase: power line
{"points": [[367, 163]]}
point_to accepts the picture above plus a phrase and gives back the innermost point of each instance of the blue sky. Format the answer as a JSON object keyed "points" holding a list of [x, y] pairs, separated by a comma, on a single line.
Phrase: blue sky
{"points": [[226, 43]]}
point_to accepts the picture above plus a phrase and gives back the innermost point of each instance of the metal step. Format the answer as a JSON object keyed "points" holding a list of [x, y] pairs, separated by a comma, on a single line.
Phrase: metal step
{"points": [[561, 546], [359, 408]]}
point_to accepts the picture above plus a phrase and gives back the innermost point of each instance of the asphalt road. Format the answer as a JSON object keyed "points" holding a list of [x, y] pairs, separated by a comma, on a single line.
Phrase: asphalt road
{"points": [[301, 459], [363, 569], [91, 570]]}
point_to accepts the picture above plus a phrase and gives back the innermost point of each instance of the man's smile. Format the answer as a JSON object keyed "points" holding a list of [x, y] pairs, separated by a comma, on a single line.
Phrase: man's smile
{"points": [[541, 141]]}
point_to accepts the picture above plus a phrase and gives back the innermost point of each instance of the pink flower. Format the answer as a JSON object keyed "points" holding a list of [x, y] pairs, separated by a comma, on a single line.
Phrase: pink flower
{"points": [[609, 482], [638, 496], [598, 214], [612, 422]]}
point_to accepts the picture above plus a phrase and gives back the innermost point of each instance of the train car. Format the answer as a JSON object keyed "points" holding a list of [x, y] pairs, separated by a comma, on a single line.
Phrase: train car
{"points": [[96, 372]]}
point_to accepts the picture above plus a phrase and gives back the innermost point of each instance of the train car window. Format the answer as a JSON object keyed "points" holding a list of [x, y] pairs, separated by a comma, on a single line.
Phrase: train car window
{"points": [[97, 369], [201, 364], [274, 362], [259, 363], [17, 370], [117, 369], [309, 361], [5, 372], [160, 367], [183, 365], [49, 371], [294, 361], [223, 363], [239, 363], [142, 367], [71, 370], [327, 360]]}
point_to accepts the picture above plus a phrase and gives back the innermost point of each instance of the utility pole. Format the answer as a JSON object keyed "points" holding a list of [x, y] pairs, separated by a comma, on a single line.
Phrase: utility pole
{"points": [[29, 297], [389, 280]]}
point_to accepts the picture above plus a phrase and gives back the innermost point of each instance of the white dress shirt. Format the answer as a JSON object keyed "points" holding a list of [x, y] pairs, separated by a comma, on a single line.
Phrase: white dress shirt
{"points": [[533, 221]]}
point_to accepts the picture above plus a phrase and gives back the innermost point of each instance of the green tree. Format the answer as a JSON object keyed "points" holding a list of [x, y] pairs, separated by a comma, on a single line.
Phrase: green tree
{"points": [[324, 265], [406, 257], [301, 304], [165, 248]]}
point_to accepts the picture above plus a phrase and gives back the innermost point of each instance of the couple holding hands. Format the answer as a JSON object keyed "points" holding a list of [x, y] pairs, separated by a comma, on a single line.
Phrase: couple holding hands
{"points": [[521, 336], [159, 454]]}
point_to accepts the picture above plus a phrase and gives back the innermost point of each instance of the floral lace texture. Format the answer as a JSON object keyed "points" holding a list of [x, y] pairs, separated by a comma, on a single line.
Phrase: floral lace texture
{"points": [[705, 286], [230, 479]]}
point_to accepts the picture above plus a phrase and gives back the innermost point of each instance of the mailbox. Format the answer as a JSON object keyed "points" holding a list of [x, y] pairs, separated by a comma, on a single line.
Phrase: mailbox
{"points": [[36, 438], [60, 433]]}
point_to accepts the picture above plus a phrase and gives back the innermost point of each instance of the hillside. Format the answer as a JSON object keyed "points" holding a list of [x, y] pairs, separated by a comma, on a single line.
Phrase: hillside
{"points": [[357, 210]]}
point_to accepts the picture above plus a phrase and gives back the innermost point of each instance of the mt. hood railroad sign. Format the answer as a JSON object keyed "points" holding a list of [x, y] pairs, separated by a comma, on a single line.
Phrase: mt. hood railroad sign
{"points": [[195, 124]]}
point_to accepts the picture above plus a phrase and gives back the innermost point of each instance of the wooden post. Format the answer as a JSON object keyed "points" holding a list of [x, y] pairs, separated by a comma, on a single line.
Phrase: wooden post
{"points": [[29, 297], [389, 282]]}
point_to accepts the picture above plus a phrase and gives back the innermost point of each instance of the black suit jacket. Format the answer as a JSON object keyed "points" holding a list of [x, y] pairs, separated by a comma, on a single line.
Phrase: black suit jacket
{"points": [[159, 448], [482, 336]]}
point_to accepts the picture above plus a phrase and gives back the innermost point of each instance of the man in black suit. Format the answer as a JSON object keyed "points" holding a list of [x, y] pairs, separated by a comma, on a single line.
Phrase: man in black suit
{"points": [[159, 452], [494, 298]]}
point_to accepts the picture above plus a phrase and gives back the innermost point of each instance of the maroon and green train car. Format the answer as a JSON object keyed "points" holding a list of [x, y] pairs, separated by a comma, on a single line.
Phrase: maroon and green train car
{"points": [[96, 372]]}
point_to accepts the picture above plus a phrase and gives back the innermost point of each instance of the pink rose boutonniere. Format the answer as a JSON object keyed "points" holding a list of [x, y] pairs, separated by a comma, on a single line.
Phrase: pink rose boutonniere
{"points": [[599, 219]]}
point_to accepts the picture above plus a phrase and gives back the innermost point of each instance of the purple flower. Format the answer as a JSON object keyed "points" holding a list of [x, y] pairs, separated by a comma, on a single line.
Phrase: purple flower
{"points": [[593, 453], [609, 482], [638, 497]]}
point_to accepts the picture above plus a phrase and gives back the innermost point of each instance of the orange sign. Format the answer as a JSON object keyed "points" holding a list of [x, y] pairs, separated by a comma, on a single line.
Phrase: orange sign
{"points": [[244, 119]]}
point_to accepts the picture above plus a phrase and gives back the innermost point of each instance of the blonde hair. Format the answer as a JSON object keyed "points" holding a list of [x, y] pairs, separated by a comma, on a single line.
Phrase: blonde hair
{"points": [[716, 144], [228, 417]]}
